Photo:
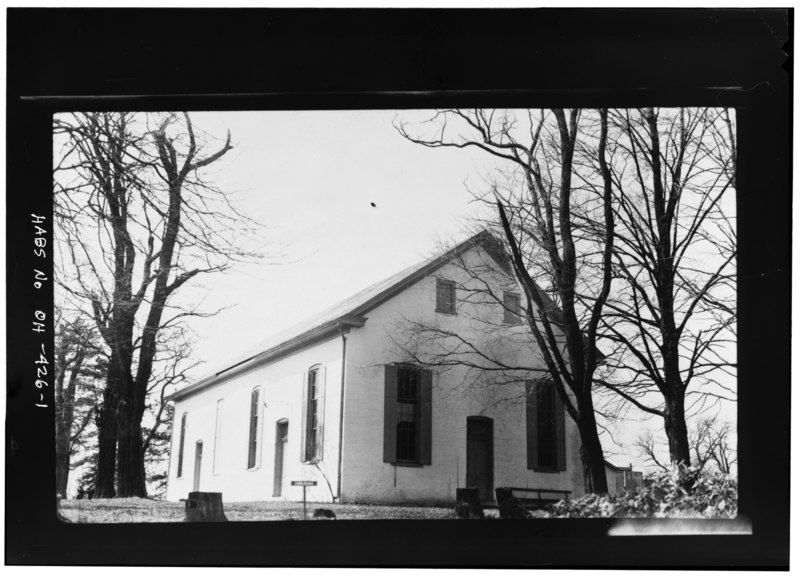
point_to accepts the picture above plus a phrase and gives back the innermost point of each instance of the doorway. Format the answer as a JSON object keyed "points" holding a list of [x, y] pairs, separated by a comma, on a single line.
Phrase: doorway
{"points": [[198, 460], [480, 456], [281, 439]]}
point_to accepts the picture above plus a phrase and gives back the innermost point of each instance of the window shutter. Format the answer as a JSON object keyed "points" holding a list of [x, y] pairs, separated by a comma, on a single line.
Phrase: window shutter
{"points": [[561, 436], [425, 416], [321, 373], [180, 448], [304, 417], [252, 436], [390, 414], [531, 395], [260, 432]]}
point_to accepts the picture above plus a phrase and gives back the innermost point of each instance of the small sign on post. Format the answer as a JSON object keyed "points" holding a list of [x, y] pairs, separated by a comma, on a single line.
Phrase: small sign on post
{"points": [[304, 484]]}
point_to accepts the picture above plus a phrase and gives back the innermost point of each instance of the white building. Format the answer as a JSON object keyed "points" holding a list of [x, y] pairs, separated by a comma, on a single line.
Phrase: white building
{"points": [[343, 399]]}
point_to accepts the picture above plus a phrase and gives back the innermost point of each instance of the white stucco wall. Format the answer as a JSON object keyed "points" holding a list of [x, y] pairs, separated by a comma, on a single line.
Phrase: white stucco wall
{"points": [[457, 394], [281, 398]]}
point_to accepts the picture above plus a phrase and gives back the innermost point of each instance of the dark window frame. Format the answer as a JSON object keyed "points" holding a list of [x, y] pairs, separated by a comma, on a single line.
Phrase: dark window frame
{"points": [[181, 443], [415, 451], [252, 432], [402, 445], [512, 316], [313, 415], [442, 305]]}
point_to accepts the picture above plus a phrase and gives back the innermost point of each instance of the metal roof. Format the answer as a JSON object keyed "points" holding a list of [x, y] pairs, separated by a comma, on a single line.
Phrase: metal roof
{"points": [[347, 313]]}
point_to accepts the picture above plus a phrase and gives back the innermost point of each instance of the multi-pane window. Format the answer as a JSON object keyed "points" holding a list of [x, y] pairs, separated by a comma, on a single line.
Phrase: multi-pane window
{"points": [[407, 415], [511, 308], [217, 437], [252, 439], [181, 444], [312, 434], [445, 296], [313, 414]]}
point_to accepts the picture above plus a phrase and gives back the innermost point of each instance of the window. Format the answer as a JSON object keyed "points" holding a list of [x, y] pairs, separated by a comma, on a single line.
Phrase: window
{"points": [[313, 414], [546, 437], [407, 415], [180, 445], [217, 437], [511, 308], [252, 440], [445, 296]]}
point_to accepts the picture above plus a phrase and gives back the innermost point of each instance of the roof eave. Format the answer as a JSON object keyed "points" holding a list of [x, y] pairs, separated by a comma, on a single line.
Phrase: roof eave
{"points": [[304, 340]]}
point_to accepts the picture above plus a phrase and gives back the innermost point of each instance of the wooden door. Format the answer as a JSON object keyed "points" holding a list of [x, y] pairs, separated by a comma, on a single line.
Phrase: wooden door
{"points": [[281, 438], [198, 460], [480, 456]]}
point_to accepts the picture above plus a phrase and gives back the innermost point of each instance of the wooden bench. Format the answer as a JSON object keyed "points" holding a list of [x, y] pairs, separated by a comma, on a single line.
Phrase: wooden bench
{"points": [[538, 501]]}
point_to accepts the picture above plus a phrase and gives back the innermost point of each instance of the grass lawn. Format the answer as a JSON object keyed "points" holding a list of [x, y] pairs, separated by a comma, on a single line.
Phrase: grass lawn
{"points": [[150, 511]]}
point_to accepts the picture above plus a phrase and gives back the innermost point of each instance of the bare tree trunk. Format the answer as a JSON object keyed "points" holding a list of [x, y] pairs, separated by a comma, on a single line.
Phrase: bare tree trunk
{"points": [[63, 423], [130, 455], [118, 383], [131, 474], [106, 444], [676, 431], [594, 468]]}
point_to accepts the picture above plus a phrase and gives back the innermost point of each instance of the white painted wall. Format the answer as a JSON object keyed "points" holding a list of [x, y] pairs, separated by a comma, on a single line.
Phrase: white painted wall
{"points": [[281, 397], [456, 395]]}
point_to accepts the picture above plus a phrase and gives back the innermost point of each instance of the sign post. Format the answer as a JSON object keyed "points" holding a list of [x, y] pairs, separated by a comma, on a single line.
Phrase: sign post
{"points": [[304, 484]]}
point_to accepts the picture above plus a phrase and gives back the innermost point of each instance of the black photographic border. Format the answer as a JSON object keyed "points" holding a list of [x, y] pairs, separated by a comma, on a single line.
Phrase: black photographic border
{"points": [[226, 59]]}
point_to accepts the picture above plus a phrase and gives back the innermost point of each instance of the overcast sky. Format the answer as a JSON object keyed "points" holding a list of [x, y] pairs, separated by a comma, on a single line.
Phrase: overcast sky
{"points": [[310, 178]]}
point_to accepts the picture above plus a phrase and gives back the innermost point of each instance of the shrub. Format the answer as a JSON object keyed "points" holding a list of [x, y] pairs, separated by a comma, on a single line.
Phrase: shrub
{"points": [[679, 493]]}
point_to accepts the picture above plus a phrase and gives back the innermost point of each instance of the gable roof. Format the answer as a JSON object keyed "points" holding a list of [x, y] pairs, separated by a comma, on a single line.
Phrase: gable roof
{"points": [[345, 314]]}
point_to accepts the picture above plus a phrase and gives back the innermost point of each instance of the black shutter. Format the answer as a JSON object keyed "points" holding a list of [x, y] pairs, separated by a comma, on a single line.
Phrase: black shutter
{"points": [[561, 436], [304, 418], [390, 414], [180, 448], [320, 409], [253, 431], [531, 395], [425, 416]]}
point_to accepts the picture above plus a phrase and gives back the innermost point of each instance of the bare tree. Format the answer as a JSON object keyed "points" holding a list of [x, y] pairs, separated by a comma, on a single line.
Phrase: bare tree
{"points": [[710, 445], [540, 212], [648, 450], [710, 441], [136, 222], [673, 318]]}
